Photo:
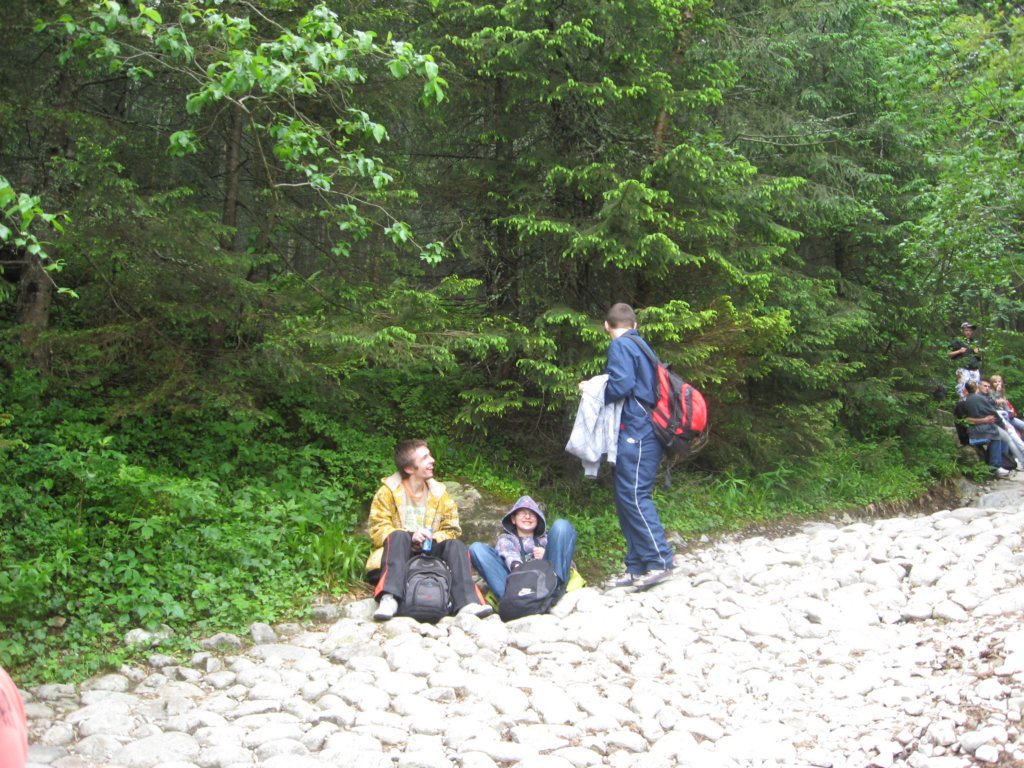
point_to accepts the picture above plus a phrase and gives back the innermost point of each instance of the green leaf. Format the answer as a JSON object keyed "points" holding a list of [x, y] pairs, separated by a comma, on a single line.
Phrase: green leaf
{"points": [[182, 143]]}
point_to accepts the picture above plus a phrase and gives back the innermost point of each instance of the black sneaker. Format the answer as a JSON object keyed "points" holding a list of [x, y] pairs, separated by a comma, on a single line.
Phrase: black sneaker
{"points": [[649, 579]]}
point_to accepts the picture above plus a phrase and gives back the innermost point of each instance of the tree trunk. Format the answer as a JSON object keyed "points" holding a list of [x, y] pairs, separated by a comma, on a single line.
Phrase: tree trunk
{"points": [[32, 310], [233, 171], [661, 124], [660, 132]]}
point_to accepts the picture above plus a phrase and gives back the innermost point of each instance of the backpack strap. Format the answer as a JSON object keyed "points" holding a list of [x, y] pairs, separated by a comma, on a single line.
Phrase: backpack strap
{"points": [[655, 362], [522, 550], [646, 350]]}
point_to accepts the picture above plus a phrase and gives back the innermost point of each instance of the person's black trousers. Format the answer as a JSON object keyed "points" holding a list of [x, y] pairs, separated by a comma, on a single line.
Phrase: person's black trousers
{"points": [[394, 567]]}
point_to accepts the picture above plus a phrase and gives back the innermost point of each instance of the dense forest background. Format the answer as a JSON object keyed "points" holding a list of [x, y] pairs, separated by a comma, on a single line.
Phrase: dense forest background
{"points": [[248, 246]]}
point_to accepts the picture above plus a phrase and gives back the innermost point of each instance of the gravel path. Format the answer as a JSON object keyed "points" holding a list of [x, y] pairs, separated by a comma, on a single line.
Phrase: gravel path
{"points": [[894, 642]]}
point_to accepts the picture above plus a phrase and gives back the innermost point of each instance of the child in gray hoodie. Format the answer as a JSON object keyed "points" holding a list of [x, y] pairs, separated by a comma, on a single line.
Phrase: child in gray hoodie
{"points": [[525, 536]]}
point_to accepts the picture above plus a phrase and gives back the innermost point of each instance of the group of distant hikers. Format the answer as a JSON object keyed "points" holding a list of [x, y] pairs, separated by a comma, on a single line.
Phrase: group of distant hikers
{"points": [[983, 415], [420, 568]]}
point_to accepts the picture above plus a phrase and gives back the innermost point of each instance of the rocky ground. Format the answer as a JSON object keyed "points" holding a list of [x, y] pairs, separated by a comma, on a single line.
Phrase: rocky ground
{"points": [[890, 642]]}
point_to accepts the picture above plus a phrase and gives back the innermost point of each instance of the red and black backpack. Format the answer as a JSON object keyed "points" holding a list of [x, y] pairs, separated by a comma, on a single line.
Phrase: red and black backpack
{"points": [[680, 414]]}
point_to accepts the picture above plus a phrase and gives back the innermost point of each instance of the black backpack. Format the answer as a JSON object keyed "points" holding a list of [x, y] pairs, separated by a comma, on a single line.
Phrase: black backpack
{"points": [[680, 414], [428, 586], [531, 588]]}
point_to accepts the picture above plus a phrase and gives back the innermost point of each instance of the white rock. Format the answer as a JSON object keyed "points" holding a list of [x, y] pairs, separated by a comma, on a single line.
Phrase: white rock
{"points": [[498, 751], [222, 641], [947, 610], [545, 738], [941, 732], [545, 761], [987, 753], [1009, 602], [768, 621], [153, 750], [224, 756], [768, 741], [478, 760]]}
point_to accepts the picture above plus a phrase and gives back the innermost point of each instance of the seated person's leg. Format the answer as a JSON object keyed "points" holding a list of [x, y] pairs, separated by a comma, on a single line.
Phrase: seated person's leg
{"points": [[995, 453], [488, 563], [1011, 446], [455, 553], [561, 548], [982, 446], [395, 564]]}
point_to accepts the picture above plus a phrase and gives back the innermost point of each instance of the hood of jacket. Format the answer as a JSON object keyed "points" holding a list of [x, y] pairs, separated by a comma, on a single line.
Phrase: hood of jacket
{"points": [[394, 482], [524, 502]]}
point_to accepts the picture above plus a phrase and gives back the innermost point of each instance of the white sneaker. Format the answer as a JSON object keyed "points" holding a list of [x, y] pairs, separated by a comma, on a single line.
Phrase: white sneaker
{"points": [[1000, 472], [651, 578], [1020, 465], [480, 610], [386, 609], [621, 581]]}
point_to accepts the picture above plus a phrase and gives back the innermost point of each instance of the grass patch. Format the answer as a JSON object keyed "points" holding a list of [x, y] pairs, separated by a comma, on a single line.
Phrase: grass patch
{"points": [[838, 479]]}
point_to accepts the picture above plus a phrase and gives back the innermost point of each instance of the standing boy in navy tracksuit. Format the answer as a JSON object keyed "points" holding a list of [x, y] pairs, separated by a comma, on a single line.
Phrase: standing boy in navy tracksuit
{"points": [[631, 378]]}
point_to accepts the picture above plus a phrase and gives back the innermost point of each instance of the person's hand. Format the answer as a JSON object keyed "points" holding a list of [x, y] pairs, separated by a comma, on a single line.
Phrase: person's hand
{"points": [[538, 553], [417, 540]]}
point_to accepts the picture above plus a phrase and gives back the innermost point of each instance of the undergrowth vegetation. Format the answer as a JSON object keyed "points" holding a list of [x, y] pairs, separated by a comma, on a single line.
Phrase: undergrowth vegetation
{"points": [[208, 520], [95, 541]]}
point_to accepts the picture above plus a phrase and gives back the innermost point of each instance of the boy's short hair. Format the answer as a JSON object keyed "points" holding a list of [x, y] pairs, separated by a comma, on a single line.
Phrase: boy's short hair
{"points": [[621, 316], [404, 452]]}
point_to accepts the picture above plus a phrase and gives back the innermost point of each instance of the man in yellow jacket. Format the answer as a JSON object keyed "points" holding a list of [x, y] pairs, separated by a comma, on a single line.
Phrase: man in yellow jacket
{"points": [[412, 513]]}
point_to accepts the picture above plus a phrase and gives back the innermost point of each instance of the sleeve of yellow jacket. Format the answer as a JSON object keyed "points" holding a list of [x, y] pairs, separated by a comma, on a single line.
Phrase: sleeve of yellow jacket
{"points": [[385, 516]]}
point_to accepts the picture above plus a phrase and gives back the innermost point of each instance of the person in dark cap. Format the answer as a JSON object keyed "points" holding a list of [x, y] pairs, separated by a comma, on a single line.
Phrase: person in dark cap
{"points": [[967, 354]]}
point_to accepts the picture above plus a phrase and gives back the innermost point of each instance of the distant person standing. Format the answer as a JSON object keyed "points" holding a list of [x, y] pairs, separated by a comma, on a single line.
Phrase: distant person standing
{"points": [[13, 725], [632, 379], [967, 354]]}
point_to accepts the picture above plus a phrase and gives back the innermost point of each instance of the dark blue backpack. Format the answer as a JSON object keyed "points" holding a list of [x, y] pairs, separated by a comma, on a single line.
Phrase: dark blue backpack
{"points": [[428, 587]]}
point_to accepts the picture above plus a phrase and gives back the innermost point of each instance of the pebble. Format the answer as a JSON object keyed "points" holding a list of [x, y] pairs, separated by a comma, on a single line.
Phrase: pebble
{"points": [[887, 643]]}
